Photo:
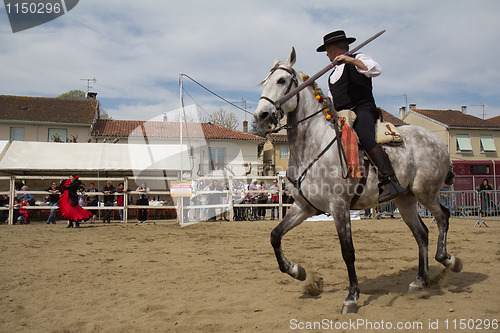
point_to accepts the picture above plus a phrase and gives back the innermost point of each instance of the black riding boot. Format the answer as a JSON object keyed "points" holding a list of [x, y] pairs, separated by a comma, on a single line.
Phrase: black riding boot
{"points": [[389, 186], [70, 224]]}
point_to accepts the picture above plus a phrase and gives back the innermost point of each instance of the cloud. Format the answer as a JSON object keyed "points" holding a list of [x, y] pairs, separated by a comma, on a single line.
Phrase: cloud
{"points": [[435, 52]]}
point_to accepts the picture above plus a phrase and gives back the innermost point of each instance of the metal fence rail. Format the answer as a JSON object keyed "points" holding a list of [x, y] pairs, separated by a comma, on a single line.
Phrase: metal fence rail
{"points": [[233, 200]]}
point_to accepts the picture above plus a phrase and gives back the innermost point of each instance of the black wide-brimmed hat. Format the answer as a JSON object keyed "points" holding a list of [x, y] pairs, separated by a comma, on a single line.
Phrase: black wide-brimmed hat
{"points": [[334, 37]]}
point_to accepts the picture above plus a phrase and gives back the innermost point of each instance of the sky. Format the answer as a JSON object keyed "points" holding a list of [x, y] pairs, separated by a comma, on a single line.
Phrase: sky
{"points": [[435, 54]]}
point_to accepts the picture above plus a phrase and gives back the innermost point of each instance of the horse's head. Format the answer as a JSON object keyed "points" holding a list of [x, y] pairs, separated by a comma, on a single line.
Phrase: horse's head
{"points": [[280, 80]]}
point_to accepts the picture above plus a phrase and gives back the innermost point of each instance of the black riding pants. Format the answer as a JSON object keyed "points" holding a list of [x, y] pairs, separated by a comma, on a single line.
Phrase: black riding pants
{"points": [[364, 126]]}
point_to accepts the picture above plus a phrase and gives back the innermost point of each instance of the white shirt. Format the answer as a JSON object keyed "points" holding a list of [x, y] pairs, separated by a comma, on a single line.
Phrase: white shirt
{"points": [[374, 68]]}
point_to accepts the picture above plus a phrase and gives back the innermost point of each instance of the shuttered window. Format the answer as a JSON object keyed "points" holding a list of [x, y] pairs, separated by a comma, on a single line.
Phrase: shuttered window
{"points": [[463, 143]]}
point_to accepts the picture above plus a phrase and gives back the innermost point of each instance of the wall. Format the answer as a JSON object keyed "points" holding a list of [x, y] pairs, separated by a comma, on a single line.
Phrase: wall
{"points": [[39, 132]]}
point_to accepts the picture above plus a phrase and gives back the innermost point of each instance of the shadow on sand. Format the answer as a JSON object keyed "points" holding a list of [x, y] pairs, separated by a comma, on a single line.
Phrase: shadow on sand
{"points": [[441, 281]]}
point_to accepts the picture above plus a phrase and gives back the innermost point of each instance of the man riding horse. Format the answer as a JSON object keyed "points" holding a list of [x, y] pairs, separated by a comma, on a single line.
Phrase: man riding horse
{"points": [[350, 86]]}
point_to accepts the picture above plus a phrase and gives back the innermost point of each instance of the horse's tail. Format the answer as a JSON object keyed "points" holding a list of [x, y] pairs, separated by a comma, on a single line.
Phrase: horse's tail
{"points": [[450, 177]]}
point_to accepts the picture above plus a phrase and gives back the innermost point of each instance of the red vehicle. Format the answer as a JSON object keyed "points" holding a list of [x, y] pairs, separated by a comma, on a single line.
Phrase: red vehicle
{"points": [[470, 174]]}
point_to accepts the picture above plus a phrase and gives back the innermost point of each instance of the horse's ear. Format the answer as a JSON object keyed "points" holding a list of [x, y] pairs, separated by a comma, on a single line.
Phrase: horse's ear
{"points": [[292, 58]]}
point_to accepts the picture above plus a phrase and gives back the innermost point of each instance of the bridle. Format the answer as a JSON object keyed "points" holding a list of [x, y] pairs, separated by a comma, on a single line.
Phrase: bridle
{"points": [[278, 112]]}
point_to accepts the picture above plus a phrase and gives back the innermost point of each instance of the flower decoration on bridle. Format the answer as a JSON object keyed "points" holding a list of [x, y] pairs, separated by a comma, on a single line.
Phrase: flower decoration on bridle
{"points": [[319, 97]]}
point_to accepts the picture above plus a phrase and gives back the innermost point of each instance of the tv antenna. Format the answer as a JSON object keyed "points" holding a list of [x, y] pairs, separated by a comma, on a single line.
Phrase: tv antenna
{"points": [[482, 107], [88, 82]]}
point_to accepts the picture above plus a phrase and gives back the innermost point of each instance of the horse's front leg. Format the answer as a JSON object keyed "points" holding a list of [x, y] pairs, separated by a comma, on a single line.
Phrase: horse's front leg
{"points": [[343, 224], [293, 218]]}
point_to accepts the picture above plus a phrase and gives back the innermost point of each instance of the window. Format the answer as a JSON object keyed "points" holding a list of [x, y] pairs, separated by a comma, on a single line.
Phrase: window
{"points": [[283, 151], [17, 134], [463, 143], [57, 134], [216, 158], [487, 144], [479, 169]]}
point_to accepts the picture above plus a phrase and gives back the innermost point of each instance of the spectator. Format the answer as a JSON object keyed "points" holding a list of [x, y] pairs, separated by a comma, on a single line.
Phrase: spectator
{"points": [[23, 217], [485, 194], [109, 200], [4, 201], [121, 198], [92, 200], [203, 199], [213, 199], [81, 196], [53, 197], [68, 202], [28, 196], [262, 200], [252, 197], [142, 200], [238, 197], [274, 198], [444, 196]]}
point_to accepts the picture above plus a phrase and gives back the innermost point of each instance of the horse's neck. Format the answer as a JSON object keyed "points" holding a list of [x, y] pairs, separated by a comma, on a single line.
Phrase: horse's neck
{"points": [[305, 137]]}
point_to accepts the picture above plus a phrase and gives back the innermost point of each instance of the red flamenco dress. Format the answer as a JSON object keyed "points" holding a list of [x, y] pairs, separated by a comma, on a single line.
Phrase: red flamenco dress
{"points": [[68, 202]]}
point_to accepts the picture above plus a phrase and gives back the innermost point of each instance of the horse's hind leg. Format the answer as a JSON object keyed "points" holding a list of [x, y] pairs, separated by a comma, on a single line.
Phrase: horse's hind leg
{"points": [[293, 218], [407, 205], [442, 216], [343, 223]]}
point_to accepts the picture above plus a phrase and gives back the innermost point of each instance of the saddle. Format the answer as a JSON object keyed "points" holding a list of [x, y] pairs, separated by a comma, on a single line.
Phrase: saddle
{"points": [[385, 132]]}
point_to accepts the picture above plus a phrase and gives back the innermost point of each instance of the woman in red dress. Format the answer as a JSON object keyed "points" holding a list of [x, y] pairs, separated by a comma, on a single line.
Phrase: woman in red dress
{"points": [[68, 202]]}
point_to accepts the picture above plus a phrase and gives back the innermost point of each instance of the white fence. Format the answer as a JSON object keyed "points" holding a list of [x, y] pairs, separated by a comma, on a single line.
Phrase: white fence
{"points": [[219, 202], [231, 200]]}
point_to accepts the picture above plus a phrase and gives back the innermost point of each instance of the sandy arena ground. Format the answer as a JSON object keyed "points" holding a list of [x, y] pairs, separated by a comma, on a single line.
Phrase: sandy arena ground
{"points": [[223, 277]]}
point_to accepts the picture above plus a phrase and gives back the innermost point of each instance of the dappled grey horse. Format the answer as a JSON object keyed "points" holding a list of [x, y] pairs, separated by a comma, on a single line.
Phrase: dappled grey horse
{"points": [[316, 180]]}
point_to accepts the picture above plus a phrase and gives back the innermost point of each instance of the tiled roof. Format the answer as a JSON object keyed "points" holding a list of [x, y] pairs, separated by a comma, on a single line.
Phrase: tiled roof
{"points": [[171, 130], [392, 119], [78, 111], [278, 138], [455, 118], [494, 121]]}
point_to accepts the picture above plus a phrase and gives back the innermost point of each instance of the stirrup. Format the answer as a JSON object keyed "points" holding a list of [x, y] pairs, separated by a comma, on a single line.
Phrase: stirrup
{"points": [[389, 191]]}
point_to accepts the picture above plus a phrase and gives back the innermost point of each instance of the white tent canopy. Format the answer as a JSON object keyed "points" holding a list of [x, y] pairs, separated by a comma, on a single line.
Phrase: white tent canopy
{"points": [[51, 156]]}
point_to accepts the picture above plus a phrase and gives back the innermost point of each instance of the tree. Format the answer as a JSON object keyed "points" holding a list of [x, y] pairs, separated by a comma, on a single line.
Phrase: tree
{"points": [[224, 118], [256, 130], [73, 94], [80, 94]]}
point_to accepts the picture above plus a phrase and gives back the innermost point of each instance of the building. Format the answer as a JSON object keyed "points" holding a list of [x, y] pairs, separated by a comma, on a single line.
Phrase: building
{"points": [[212, 149], [43, 119], [276, 150], [472, 142], [467, 137]]}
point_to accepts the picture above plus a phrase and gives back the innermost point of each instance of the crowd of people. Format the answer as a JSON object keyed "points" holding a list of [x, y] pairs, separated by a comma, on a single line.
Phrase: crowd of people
{"points": [[69, 196], [212, 193]]}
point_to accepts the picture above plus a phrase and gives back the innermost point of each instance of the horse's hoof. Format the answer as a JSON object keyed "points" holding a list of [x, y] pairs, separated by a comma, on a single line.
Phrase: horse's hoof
{"points": [[454, 264], [416, 286], [298, 272], [458, 265], [349, 307]]}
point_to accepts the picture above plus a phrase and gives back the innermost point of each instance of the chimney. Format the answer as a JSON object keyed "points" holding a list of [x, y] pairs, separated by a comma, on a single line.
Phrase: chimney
{"points": [[413, 106], [245, 126], [402, 112], [464, 109], [91, 95], [165, 117]]}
